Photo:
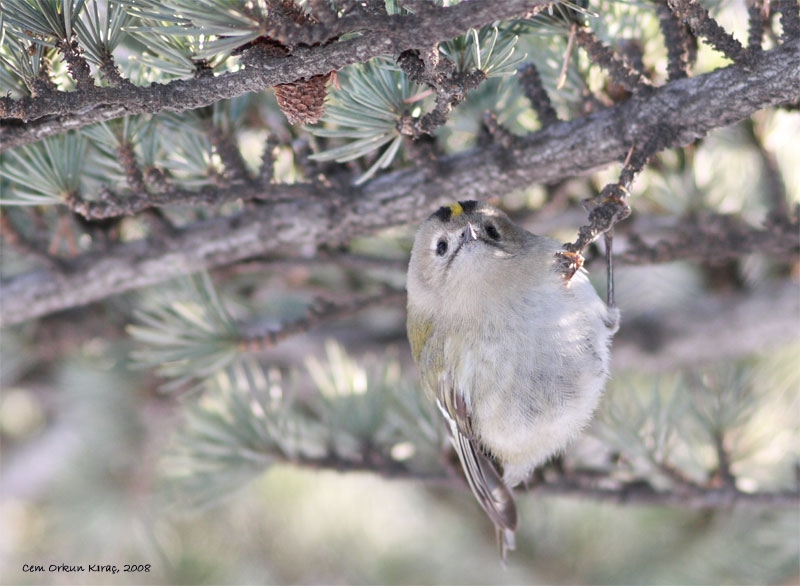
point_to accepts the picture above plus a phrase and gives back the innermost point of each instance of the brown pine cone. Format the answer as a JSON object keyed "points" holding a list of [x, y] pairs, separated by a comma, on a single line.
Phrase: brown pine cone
{"points": [[303, 101]]}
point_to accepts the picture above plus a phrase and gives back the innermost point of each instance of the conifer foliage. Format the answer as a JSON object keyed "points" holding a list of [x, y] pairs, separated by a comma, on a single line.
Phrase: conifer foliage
{"points": [[218, 189]]}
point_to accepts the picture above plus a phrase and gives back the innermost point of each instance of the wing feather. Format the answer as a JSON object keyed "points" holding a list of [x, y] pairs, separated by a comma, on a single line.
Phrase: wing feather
{"points": [[494, 496]]}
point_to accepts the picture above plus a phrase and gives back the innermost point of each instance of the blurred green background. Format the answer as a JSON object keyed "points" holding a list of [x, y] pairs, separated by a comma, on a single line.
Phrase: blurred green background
{"points": [[79, 486]]}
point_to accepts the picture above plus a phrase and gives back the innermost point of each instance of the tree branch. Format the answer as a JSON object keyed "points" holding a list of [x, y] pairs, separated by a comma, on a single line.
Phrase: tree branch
{"points": [[677, 40], [534, 90], [618, 68], [28, 120], [697, 18], [717, 238], [303, 219], [594, 485], [757, 14], [639, 492], [790, 18]]}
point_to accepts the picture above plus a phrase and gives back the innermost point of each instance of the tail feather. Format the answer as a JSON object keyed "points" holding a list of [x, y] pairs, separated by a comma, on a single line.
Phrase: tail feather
{"points": [[491, 492], [505, 542]]}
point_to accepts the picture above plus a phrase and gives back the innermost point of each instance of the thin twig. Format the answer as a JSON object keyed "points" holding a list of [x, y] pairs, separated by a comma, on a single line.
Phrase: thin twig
{"points": [[64, 235], [620, 70], [496, 132], [266, 170], [775, 189], [610, 207], [225, 146], [17, 238], [790, 19], [757, 13], [451, 88], [534, 90], [111, 73], [130, 166], [76, 64], [676, 39], [724, 474], [562, 76], [700, 22]]}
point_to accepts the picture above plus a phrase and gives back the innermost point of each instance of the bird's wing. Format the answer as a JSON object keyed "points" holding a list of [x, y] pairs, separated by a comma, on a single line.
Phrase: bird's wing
{"points": [[487, 485]]}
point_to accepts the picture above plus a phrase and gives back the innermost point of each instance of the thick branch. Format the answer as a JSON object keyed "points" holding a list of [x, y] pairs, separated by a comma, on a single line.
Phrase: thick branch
{"points": [[114, 205], [717, 238], [593, 485], [57, 112], [674, 115], [25, 474], [660, 341]]}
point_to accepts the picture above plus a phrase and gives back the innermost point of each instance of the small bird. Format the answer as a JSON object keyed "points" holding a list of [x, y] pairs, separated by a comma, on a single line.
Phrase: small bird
{"points": [[514, 353]]}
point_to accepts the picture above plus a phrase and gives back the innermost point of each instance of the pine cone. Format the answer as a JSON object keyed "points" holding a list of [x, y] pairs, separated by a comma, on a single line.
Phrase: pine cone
{"points": [[303, 101]]}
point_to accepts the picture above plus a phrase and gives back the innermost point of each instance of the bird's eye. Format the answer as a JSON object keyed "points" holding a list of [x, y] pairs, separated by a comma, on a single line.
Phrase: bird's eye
{"points": [[441, 247], [492, 232]]}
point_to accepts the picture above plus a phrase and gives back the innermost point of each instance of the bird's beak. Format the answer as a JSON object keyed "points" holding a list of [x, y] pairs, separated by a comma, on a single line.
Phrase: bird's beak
{"points": [[468, 234]]}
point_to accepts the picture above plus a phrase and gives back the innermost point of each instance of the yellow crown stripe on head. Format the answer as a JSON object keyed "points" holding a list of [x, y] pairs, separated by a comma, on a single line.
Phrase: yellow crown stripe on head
{"points": [[456, 209]]}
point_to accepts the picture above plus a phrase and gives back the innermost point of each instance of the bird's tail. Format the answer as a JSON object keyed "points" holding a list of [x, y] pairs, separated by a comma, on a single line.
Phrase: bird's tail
{"points": [[488, 486], [492, 493], [505, 542]]}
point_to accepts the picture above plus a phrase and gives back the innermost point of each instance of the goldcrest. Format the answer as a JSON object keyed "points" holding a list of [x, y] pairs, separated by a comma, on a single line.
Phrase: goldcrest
{"points": [[514, 353]]}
